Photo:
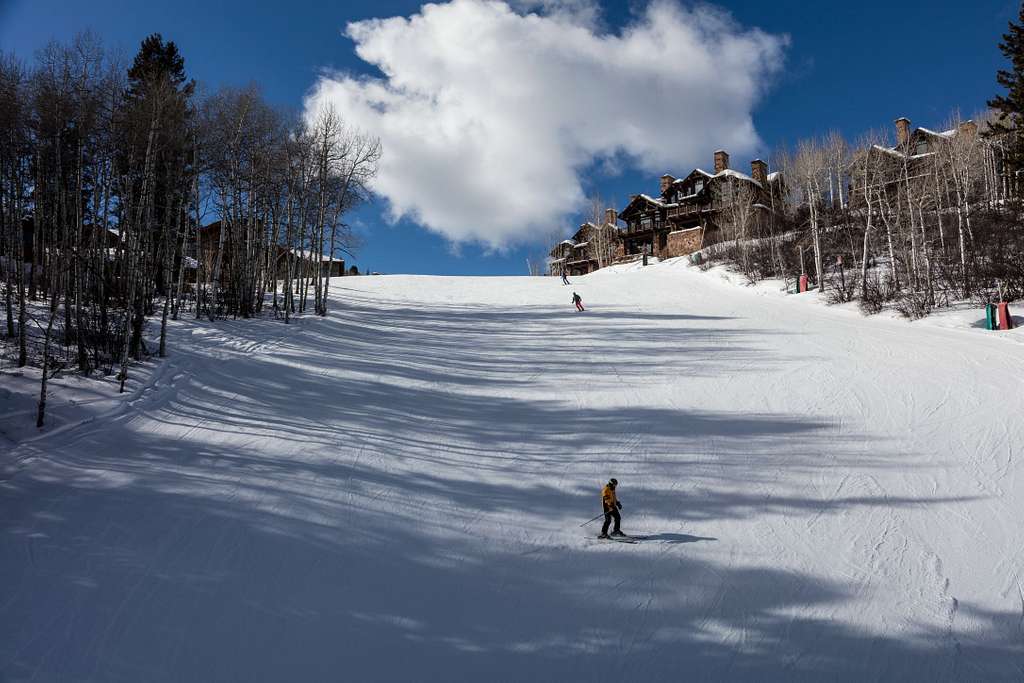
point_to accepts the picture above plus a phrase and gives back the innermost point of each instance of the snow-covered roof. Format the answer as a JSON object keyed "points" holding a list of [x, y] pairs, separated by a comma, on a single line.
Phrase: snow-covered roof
{"points": [[581, 245], [312, 255], [895, 151], [736, 174], [726, 172], [652, 200], [569, 242], [676, 232], [943, 134], [888, 150], [582, 230], [773, 176]]}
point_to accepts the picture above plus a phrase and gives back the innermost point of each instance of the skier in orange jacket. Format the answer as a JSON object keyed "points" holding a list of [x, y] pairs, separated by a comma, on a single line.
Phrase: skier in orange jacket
{"points": [[611, 509]]}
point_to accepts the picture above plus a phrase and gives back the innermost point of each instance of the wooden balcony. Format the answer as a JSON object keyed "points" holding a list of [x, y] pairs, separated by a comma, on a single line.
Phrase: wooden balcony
{"points": [[686, 210], [648, 228]]}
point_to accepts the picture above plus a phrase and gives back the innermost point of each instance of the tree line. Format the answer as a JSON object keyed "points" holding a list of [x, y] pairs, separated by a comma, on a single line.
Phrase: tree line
{"points": [[108, 172]]}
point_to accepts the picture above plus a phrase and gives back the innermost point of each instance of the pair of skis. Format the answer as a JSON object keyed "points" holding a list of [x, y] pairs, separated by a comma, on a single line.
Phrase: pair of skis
{"points": [[620, 539]]}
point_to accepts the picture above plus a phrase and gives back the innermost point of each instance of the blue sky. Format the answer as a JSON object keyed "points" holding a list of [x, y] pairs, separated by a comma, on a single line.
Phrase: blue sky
{"points": [[847, 66]]}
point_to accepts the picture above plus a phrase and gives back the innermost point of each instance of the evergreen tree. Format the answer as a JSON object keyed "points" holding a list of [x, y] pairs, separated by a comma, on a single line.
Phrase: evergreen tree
{"points": [[155, 63], [155, 160], [1010, 106]]}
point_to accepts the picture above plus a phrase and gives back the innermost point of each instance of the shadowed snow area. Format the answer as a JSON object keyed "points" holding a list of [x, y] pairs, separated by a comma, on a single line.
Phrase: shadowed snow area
{"points": [[394, 493]]}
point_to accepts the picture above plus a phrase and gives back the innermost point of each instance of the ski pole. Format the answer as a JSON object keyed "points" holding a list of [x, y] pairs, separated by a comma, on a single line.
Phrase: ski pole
{"points": [[592, 520]]}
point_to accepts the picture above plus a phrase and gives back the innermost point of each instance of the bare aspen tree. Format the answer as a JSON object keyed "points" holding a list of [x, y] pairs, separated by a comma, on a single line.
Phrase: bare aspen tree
{"points": [[357, 166], [741, 212], [962, 156], [838, 154], [810, 163], [602, 236]]}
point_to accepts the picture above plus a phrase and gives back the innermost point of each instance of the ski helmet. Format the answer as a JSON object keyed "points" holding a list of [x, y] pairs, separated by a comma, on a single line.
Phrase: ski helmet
{"points": [[613, 481]]}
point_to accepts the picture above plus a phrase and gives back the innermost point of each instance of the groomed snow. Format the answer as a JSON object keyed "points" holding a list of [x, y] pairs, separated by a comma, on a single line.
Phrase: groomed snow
{"points": [[395, 493]]}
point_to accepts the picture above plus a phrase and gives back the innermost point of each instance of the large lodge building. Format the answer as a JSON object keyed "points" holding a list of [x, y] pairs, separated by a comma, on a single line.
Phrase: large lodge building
{"points": [[688, 214]]}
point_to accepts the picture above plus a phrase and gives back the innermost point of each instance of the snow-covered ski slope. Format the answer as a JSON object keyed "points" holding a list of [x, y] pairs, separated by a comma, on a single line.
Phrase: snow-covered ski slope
{"points": [[394, 493]]}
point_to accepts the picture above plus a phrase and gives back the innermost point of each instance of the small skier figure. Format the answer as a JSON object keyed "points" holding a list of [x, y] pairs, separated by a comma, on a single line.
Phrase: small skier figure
{"points": [[611, 509], [565, 277], [578, 301]]}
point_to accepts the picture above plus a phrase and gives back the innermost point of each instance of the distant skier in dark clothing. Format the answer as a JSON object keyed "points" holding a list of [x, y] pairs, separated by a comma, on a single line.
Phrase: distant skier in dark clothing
{"points": [[565, 277], [611, 509], [578, 301]]}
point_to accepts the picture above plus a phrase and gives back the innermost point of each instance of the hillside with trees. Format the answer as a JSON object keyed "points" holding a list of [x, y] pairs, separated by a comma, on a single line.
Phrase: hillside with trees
{"points": [[914, 221]]}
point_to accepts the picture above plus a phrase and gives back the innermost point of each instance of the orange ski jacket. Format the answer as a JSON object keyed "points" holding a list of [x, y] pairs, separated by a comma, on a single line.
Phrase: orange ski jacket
{"points": [[608, 497]]}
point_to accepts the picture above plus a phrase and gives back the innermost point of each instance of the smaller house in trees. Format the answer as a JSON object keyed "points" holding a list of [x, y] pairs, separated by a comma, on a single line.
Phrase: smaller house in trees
{"points": [[303, 261], [889, 170], [590, 248], [91, 237], [209, 247]]}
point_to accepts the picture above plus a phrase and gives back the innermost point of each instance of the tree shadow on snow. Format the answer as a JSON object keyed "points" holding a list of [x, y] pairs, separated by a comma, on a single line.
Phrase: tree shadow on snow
{"points": [[296, 580]]}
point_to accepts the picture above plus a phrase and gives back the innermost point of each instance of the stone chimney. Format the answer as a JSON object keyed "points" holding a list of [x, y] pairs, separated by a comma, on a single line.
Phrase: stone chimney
{"points": [[902, 131], [721, 160], [666, 182], [968, 128], [759, 172], [611, 217]]}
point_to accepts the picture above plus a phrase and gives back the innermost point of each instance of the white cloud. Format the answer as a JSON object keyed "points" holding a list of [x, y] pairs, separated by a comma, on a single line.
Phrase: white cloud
{"points": [[488, 115]]}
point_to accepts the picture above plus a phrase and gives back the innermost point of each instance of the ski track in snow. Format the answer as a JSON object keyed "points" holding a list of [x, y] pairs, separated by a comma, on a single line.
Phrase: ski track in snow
{"points": [[395, 492]]}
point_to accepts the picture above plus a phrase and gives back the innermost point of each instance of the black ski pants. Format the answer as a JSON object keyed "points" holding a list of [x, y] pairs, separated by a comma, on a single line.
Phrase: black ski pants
{"points": [[609, 515]]}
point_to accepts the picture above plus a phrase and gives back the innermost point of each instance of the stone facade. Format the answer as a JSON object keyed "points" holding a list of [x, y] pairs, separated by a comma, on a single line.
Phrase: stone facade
{"points": [[721, 160], [902, 131], [683, 242]]}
